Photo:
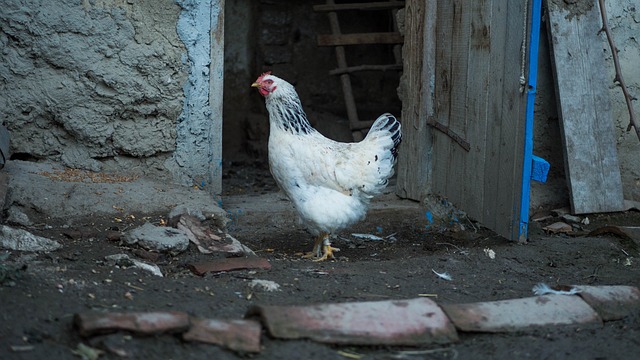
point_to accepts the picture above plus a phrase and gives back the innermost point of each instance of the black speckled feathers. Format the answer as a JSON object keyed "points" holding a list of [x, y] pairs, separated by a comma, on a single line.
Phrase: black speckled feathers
{"points": [[388, 123]]}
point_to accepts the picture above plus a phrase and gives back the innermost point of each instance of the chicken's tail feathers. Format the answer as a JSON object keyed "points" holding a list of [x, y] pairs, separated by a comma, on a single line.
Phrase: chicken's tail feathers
{"points": [[377, 155], [387, 125]]}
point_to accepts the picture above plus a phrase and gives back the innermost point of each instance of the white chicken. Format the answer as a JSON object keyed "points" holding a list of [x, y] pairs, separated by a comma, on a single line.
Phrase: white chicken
{"points": [[330, 183]]}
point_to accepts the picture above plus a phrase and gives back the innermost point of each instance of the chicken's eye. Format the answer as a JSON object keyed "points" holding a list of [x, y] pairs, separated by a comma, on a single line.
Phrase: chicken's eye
{"points": [[268, 82]]}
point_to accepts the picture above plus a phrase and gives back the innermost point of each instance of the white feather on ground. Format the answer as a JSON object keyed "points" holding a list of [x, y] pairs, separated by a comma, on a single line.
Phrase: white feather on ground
{"points": [[443, 276], [544, 289]]}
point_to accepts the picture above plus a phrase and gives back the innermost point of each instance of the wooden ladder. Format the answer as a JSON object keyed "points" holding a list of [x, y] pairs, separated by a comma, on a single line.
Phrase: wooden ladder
{"points": [[339, 41]]}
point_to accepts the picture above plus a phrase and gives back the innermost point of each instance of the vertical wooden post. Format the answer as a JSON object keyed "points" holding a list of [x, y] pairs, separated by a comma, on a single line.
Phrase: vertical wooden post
{"points": [[415, 158]]}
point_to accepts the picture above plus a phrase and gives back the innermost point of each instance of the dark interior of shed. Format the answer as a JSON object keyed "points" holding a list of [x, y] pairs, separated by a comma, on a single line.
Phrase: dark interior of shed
{"points": [[281, 36]]}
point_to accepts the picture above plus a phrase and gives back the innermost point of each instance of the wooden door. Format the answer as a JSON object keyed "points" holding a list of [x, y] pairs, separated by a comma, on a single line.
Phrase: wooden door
{"points": [[478, 111]]}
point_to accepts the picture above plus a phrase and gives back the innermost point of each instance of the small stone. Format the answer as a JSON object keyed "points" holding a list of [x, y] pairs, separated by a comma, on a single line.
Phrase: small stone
{"points": [[126, 261], [571, 218], [158, 238], [16, 216], [205, 213], [558, 227], [180, 210], [264, 285], [22, 240]]}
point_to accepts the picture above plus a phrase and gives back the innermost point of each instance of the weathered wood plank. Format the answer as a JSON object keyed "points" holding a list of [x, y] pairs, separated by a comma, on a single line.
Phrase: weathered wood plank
{"points": [[476, 100], [591, 159], [360, 39], [442, 94], [380, 5], [505, 119], [415, 157], [457, 175], [493, 120], [511, 139]]}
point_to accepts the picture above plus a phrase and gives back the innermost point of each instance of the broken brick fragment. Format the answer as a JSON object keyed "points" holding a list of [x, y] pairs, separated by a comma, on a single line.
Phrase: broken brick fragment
{"points": [[236, 335], [521, 314], [80, 233], [113, 235], [147, 323], [146, 255], [228, 264], [395, 322], [611, 302]]}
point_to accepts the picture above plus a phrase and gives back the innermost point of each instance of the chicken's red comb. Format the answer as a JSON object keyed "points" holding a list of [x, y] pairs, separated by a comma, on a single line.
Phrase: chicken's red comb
{"points": [[263, 75]]}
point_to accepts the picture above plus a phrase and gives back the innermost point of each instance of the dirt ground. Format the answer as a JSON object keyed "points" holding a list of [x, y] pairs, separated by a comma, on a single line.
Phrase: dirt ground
{"points": [[41, 292]]}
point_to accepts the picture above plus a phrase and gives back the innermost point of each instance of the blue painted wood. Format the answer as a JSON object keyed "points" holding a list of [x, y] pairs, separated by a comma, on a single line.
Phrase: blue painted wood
{"points": [[539, 169], [532, 82]]}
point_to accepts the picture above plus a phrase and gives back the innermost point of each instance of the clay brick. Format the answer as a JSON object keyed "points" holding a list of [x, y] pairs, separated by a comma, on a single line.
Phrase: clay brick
{"points": [[147, 323], [229, 264], [395, 322], [611, 302], [237, 335], [521, 314]]}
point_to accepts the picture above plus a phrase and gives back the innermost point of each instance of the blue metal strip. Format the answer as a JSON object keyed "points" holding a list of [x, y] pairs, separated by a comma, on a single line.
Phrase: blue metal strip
{"points": [[528, 128]]}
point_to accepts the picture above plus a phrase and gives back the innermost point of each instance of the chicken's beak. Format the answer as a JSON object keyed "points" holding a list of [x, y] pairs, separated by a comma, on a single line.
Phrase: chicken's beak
{"points": [[255, 84]]}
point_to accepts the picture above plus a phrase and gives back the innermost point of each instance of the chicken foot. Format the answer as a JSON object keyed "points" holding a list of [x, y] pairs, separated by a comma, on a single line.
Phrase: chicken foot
{"points": [[322, 249]]}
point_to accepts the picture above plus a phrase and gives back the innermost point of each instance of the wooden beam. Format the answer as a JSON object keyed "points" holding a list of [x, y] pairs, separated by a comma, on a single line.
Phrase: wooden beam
{"points": [[380, 5], [345, 79], [360, 39], [352, 69], [362, 124]]}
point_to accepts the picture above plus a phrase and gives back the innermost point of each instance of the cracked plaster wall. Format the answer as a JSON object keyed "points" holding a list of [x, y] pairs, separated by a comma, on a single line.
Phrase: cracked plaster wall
{"points": [[100, 84]]}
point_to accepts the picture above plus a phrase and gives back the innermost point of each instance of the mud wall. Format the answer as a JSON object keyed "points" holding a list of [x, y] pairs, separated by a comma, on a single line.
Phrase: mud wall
{"points": [[624, 21], [111, 86], [94, 84]]}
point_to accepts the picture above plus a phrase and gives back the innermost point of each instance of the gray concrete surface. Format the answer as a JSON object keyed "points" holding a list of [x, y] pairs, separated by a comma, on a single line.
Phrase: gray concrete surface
{"points": [[45, 193]]}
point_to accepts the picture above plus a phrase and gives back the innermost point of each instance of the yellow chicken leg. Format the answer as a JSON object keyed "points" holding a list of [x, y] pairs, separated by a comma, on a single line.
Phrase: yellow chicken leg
{"points": [[316, 252], [327, 250], [322, 249]]}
